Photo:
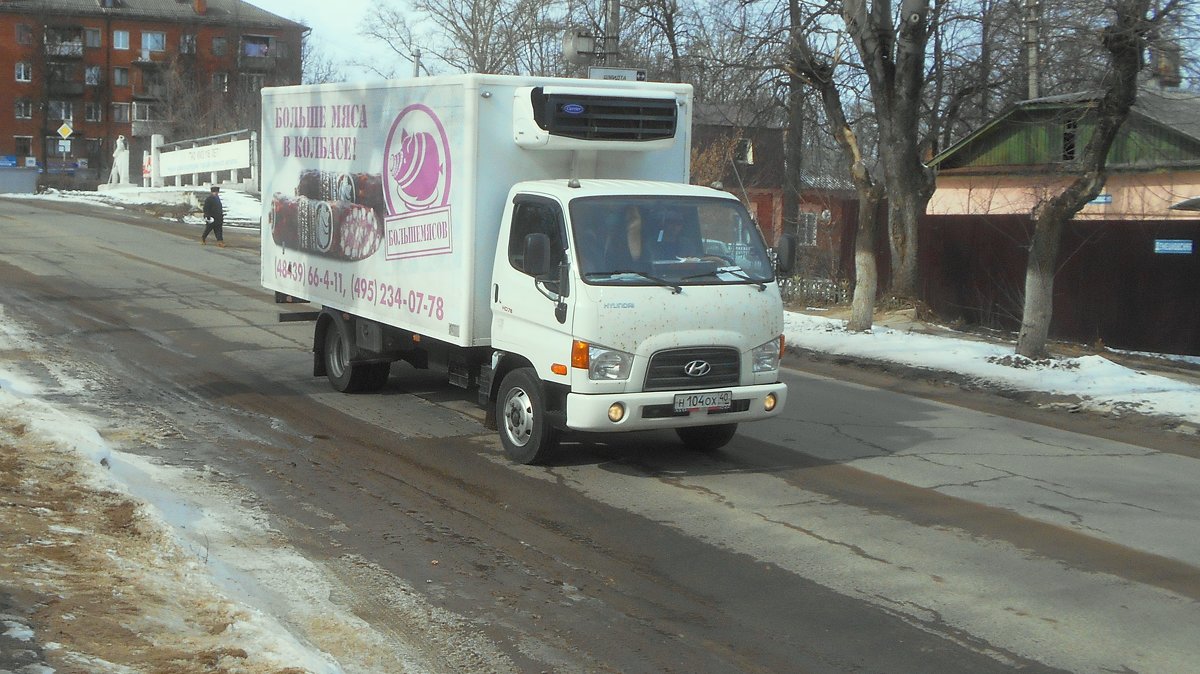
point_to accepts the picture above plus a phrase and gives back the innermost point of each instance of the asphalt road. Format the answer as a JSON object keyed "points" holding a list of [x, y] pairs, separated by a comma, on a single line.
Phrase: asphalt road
{"points": [[864, 531]]}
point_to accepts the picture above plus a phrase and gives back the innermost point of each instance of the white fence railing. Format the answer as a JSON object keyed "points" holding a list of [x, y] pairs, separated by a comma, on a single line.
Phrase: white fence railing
{"points": [[196, 161]]}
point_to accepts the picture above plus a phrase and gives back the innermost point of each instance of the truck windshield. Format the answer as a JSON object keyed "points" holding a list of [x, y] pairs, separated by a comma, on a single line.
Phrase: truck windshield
{"points": [[667, 241]]}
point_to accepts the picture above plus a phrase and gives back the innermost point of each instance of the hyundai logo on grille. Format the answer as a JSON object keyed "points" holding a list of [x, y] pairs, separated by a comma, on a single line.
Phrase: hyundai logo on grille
{"points": [[697, 368], [573, 109]]}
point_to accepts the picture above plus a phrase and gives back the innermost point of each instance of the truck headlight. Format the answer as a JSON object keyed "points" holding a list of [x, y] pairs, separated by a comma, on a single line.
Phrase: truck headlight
{"points": [[766, 356], [602, 363]]}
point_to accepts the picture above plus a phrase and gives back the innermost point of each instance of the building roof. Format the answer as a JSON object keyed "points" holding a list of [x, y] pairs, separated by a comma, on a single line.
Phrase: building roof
{"points": [[218, 11], [741, 115], [1174, 110]]}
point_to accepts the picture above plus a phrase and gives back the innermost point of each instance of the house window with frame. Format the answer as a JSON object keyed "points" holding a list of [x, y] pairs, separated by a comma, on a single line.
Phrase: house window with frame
{"points": [[145, 112], [24, 34], [744, 152], [187, 43], [220, 82], [120, 112], [91, 75], [63, 110], [120, 39], [24, 71], [24, 145], [154, 40], [93, 112], [120, 77], [23, 108], [91, 37], [219, 44]]}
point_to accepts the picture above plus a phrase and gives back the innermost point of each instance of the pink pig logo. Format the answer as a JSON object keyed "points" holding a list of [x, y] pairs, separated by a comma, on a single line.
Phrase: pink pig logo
{"points": [[416, 161], [417, 168]]}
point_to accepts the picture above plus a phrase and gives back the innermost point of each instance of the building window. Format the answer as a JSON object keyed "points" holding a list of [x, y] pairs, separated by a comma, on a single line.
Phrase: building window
{"points": [[91, 37], [24, 34], [93, 112], [121, 77], [120, 112], [220, 82], [154, 40], [91, 75], [145, 112], [806, 229], [253, 82], [60, 110], [279, 49], [744, 152], [24, 108], [24, 71], [24, 145], [218, 46], [187, 43], [120, 39], [1068, 139]]}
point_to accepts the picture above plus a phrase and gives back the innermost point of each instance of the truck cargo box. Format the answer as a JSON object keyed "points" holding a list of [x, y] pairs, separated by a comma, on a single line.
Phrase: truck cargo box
{"points": [[384, 199]]}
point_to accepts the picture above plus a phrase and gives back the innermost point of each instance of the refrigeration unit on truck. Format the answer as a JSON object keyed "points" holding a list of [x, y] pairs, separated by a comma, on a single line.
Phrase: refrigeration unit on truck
{"points": [[535, 237]]}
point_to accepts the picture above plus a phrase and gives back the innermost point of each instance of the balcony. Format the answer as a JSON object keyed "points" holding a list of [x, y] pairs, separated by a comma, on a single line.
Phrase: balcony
{"points": [[64, 88], [151, 59], [147, 127], [64, 49], [257, 63], [150, 92]]}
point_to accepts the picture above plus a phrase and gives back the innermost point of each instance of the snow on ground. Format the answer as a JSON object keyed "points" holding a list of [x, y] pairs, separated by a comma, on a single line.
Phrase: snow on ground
{"points": [[1098, 382], [242, 209], [143, 566]]}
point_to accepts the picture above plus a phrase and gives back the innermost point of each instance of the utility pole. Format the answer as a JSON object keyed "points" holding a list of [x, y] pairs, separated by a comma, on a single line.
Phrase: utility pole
{"points": [[612, 27], [1032, 20]]}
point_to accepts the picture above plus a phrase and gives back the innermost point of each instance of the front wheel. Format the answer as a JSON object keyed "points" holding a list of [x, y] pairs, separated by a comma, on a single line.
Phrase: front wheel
{"points": [[521, 418], [706, 438]]}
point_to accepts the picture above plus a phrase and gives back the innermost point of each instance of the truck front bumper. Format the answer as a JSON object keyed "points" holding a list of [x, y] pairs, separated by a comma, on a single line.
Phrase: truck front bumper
{"points": [[656, 409]]}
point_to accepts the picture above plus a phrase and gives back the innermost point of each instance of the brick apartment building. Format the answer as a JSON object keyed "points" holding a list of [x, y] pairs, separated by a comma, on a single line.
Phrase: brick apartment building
{"points": [[109, 68]]}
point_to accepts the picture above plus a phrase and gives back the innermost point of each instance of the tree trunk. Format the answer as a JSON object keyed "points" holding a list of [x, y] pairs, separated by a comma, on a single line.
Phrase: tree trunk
{"points": [[866, 273], [1039, 284], [1125, 41]]}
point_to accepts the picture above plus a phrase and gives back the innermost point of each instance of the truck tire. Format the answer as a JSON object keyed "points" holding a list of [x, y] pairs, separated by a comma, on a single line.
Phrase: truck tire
{"points": [[346, 376], [706, 438], [521, 418]]}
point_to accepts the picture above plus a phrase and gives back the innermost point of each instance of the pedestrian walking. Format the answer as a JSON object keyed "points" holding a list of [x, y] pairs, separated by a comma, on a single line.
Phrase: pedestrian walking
{"points": [[214, 217]]}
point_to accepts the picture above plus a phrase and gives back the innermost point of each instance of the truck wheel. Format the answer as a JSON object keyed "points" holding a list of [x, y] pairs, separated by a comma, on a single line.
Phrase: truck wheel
{"points": [[521, 418], [706, 438], [346, 376]]}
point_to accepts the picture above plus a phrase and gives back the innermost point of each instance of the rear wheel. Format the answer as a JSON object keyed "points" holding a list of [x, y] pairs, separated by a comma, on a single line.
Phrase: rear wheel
{"points": [[521, 419], [347, 376], [706, 438]]}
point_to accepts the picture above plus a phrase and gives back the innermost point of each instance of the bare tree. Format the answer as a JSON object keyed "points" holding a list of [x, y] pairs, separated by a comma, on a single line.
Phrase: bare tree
{"points": [[1124, 41], [484, 36], [317, 67], [818, 70]]}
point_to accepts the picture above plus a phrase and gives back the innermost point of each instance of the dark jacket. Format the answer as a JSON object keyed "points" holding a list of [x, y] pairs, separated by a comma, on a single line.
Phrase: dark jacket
{"points": [[213, 209]]}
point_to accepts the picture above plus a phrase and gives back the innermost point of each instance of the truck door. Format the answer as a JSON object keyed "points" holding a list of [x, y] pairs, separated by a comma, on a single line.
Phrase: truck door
{"points": [[532, 315]]}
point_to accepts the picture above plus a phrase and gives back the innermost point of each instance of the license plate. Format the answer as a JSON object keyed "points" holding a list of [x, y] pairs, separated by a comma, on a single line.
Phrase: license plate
{"points": [[717, 400]]}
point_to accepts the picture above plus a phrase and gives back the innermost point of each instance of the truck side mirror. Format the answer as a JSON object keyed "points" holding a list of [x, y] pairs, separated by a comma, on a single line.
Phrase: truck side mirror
{"points": [[537, 255], [785, 254]]}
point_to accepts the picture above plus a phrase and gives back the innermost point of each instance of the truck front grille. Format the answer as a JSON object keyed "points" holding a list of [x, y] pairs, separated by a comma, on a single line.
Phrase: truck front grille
{"points": [[667, 370]]}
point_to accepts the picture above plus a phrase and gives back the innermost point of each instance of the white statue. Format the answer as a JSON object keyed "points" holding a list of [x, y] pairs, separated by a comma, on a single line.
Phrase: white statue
{"points": [[120, 167]]}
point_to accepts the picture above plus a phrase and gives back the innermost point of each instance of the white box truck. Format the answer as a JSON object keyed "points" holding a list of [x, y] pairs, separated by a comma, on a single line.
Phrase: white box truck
{"points": [[535, 237]]}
